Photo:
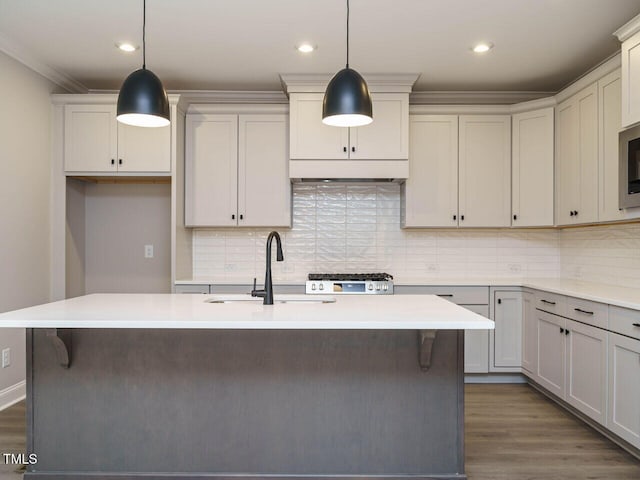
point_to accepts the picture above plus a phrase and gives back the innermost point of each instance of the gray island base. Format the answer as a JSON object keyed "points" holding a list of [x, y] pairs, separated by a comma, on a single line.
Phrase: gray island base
{"points": [[249, 404]]}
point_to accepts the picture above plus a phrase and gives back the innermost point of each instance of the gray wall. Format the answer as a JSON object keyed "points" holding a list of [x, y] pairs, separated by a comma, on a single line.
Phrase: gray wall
{"points": [[120, 219], [25, 151]]}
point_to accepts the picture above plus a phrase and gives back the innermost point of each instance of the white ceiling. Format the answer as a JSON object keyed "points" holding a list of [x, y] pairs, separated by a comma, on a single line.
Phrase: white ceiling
{"points": [[540, 45]]}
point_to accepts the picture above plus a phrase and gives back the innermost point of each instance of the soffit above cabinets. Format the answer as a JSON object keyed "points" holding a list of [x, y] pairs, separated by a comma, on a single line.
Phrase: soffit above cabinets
{"points": [[539, 45]]}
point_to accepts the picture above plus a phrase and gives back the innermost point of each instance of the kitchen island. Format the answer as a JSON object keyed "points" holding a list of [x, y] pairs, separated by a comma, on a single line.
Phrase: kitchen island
{"points": [[199, 386]]}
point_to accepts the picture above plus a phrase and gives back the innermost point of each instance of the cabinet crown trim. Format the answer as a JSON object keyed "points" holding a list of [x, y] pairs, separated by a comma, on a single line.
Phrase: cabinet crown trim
{"points": [[377, 82], [628, 29]]}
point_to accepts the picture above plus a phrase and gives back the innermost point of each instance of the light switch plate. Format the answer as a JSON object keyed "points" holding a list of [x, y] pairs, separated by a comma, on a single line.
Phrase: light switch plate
{"points": [[6, 357], [148, 251]]}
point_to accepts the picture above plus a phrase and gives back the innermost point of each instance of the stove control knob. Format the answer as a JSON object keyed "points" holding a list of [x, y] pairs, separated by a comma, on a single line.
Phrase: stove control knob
{"points": [[385, 287], [377, 287], [321, 286], [370, 286], [313, 286]]}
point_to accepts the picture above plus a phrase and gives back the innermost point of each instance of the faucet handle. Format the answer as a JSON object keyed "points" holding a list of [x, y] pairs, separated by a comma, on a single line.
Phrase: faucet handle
{"points": [[254, 283]]}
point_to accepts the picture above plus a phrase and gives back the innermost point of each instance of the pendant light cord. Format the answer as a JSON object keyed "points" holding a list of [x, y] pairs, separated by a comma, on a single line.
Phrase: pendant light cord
{"points": [[347, 33], [144, 24]]}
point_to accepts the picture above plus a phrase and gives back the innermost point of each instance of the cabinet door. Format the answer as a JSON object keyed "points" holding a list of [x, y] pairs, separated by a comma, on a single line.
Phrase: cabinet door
{"points": [[623, 416], [387, 137], [550, 370], [631, 80], [211, 170], [144, 149], [310, 138], [485, 171], [264, 189], [90, 138], [476, 344], [532, 164], [587, 369], [430, 194], [577, 158], [529, 334], [507, 336], [609, 103]]}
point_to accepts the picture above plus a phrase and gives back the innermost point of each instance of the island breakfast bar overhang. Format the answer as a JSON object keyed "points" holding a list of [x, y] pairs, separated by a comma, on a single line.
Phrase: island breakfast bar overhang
{"points": [[172, 386]]}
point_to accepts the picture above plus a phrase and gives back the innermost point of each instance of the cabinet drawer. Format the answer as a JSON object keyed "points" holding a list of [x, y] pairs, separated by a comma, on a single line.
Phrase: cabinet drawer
{"points": [[624, 321], [586, 311], [551, 302], [458, 295]]}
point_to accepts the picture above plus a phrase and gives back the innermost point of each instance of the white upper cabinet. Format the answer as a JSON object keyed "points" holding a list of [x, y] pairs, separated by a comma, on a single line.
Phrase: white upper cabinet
{"points": [[630, 75], [485, 171], [609, 103], [96, 143], [236, 171], [387, 138], [430, 194], [577, 158], [532, 169]]}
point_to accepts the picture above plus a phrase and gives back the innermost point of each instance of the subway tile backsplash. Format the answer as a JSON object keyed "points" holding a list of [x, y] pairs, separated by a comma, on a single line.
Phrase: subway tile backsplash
{"points": [[341, 227]]}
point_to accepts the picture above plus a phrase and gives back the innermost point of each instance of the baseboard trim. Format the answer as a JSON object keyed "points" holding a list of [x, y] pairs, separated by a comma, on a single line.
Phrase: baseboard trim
{"points": [[494, 378], [13, 394]]}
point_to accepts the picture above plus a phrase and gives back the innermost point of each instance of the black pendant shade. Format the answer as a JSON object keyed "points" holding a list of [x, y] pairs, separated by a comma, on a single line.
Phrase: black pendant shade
{"points": [[143, 101], [347, 101]]}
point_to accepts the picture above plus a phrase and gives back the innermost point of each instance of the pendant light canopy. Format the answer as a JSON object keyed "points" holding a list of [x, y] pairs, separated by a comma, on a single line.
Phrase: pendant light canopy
{"points": [[347, 101], [143, 101]]}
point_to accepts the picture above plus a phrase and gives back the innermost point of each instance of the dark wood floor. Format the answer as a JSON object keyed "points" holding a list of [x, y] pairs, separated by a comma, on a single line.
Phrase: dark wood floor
{"points": [[512, 432]]}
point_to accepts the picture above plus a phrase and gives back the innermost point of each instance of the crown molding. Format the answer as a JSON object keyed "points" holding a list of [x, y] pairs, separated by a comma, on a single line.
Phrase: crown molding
{"points": [[228, 108], [377, 82], [107, 97], [593, 75], [537, 104], [458, 109], [23, 56], [628, 29], [474, 97], [232, 96]]}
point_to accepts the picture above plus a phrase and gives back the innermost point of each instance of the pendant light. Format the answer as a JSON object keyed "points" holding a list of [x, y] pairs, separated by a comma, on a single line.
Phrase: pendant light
{"points": [[142, 100], [347, 101]]}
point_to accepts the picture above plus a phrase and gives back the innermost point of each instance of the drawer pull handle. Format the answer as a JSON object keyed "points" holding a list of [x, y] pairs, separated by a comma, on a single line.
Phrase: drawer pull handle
{"points": [[586, 312], [636, 325], [547, 302], [445, 295]]}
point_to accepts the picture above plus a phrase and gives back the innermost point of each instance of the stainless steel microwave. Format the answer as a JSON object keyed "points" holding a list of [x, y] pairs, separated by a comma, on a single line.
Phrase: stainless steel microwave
{"points": [[630, 168]]}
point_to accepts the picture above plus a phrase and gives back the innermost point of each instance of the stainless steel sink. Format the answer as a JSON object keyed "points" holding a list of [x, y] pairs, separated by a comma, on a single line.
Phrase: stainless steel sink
{"points": [[248, 299]]}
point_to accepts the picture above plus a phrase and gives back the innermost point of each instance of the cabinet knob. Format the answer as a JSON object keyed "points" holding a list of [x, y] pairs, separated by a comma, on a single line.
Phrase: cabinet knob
{"points": [[499, 301], [566, 332], [119, 161], [571, 213], [241, 217], [353, 149], [344, 149], [515, 217], [561, 330], [233, 216], [575, 212], [455, 217], [113, 161], [462, 217]]}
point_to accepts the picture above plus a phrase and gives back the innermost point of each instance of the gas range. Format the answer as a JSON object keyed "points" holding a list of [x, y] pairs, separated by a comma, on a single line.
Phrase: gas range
{"points": [[350, 283]]}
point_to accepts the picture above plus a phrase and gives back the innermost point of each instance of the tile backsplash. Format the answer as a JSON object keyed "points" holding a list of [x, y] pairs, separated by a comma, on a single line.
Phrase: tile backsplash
{"points": [[605, 253], [340, 227]]}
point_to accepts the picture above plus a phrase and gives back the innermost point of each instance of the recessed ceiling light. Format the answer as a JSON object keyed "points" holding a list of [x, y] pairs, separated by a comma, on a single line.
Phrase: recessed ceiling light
{"points": [[306, 48], [127, 47], [482, 47]]}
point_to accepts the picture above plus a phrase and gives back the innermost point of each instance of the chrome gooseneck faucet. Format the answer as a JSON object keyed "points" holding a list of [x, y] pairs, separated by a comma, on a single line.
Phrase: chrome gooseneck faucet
{"points": [[267, 292]]}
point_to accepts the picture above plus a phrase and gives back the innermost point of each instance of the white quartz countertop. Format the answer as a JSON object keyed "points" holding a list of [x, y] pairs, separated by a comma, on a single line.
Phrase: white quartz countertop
{"points": [[625, 297], [384, 312]]}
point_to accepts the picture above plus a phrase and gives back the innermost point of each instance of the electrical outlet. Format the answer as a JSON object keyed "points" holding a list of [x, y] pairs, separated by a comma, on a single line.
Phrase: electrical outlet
{"points": [[230, 267], [515, 267], [6, 357], [148, 251]]}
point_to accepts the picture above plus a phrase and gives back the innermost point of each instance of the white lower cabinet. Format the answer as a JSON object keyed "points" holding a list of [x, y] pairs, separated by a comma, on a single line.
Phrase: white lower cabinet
{"points": [[551, 352], [529, 334], [586, 369], [623, 417], [476, 344], [506, 339]]}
